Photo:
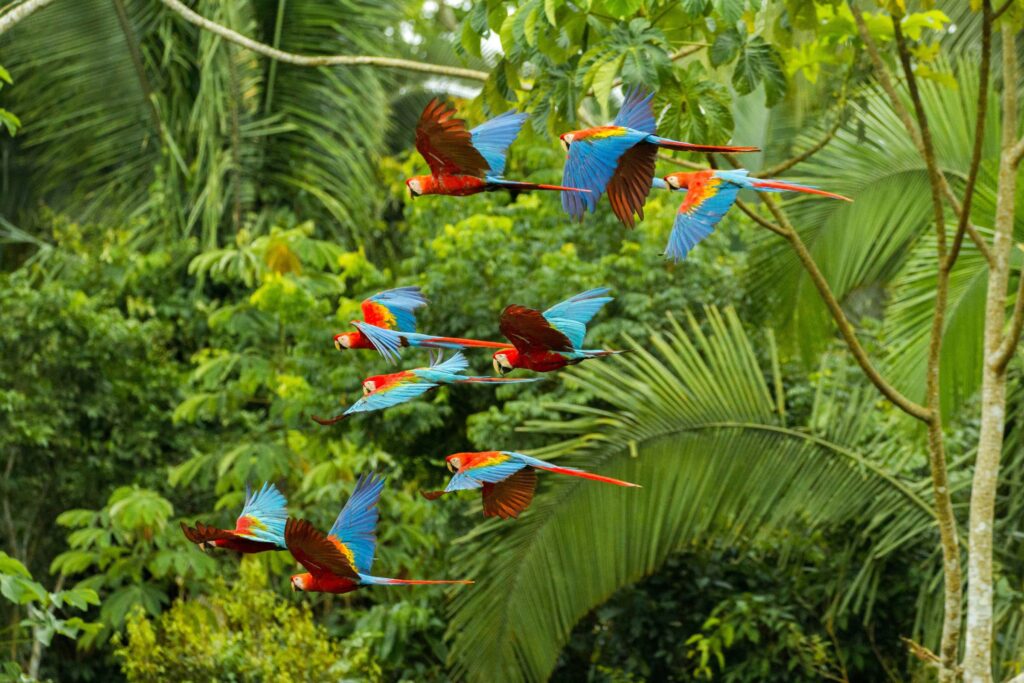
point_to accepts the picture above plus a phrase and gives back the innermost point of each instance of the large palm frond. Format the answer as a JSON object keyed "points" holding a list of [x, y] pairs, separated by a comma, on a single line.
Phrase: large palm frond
{"points": [[692, 420]]}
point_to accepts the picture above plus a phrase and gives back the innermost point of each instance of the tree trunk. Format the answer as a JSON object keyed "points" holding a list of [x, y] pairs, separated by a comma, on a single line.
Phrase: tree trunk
{"points": [[978, 654]]}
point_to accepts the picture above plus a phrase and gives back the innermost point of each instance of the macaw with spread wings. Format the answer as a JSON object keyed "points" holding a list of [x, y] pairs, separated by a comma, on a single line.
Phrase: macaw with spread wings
{"points": [[340, 561], [619, 159], [508, 479], [389, 324], [464, 162], [385, 391], [259, 528], [550, 340], [709, 195]]}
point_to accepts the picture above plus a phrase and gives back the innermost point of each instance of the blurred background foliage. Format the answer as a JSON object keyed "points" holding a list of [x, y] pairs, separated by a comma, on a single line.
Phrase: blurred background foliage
{"points": [[184, 224]]}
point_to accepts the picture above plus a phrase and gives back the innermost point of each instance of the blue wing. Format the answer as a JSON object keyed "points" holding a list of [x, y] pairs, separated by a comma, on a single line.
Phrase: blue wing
{"points": [[571, 316], [698, 217], [493, 137], [401, 303], [590, 165], [386, 398], [478, 476], [637, 112], [268, 507], [455, 365], [356, 525]]}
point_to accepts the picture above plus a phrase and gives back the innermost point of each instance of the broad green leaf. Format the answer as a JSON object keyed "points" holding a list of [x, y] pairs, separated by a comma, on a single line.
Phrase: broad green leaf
{"points": [[12, 566], [5, 76], [730, 10], [623, 8], [726, 46], [20, 590]]}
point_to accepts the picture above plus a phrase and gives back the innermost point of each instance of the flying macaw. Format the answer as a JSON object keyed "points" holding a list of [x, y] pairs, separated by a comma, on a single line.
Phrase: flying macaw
{"points": [[340, 561], [551, 340], [389, 323], [384, 391], [464, 162], [508, 479], [709, 195], [619, 159], [260, 527]]}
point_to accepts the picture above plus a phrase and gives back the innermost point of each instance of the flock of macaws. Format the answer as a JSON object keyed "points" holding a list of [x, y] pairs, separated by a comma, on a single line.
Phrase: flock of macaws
{"points": [[617, 160]]}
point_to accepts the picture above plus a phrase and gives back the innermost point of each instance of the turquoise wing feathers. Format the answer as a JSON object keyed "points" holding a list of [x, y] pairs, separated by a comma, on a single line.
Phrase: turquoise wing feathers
{"points": [[493, 138], [265, 514], [571, 316], [356, 525]]}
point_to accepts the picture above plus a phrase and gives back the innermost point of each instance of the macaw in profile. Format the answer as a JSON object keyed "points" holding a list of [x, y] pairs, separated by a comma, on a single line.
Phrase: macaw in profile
{"points": [[508, 479], [384, 391], [260, 527], [464, 162], [709, 195], [389, 323], [340, 561], [619, 159], [550, 340]]}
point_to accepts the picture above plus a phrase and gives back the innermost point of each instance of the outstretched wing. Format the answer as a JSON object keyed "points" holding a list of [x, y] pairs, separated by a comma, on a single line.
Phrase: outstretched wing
{"points": [[493, 137], [389, 396], [202, 533], [591, 163], [631, 183], [394, 309], [356, 525], [492, 470], [446, 144], [637, 111], [571, 316], [529, 330], [316, 552], [263, 516], [510, 497], [700, 212]]}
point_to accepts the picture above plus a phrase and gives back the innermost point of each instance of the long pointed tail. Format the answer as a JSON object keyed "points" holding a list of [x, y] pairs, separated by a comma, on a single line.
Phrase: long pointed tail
{"points": [[690, 147], [793, 187], [428, 341], [497, 380], [518, 186], [381, 581], [585, 475], [600, 353], [327, 421]]}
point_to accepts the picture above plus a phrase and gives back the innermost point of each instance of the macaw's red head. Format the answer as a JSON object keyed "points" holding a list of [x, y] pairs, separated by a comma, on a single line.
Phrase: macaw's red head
{"points": [[505, 360], [345, 340], [455, 461], [679, 181], [302, 582], [420, 185], [566, 139], [377, 382]]}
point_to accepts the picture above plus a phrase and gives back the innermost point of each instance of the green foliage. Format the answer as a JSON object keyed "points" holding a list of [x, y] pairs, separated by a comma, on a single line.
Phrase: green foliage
{"points": [[243, 631], [11, 122]]}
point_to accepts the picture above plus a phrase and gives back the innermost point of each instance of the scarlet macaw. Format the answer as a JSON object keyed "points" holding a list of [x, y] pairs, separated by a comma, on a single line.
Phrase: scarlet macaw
{"points": [[551, 340], [464, 162], [619, 159], [389, 323], [710, 194], [260, 527], [384, 391], [340, 561], [508, 479]]}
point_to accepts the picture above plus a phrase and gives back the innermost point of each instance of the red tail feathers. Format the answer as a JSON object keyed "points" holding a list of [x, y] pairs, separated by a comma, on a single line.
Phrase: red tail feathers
{"points": [[779, 185], [472, 342], [518, 186], [690, 147], [588, 475], [420, 582], [327, 421]]}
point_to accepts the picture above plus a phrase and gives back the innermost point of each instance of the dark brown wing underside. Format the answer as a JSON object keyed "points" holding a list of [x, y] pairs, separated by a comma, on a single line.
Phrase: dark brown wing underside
{"points": [[529, 330], [446, 144], [631, 182], [314, 551], [202, 533], [510, 497]]}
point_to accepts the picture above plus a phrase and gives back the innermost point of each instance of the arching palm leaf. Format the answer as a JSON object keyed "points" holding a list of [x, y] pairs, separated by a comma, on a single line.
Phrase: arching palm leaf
{"points": [[692, 421]]}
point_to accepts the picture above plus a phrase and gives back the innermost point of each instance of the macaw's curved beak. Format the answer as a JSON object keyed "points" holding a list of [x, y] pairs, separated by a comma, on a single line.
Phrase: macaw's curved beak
{"points": [[292, 585], [202, 546], [450, 466], [498, 367]]}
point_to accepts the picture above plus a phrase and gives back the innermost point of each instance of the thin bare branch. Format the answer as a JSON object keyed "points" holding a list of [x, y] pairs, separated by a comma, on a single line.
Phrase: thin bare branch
{"points": [[898, 105], [20, 12], [764, 223], [1012, 338], [784, 166], [327, 60], [952, 575], [995, 15], [979, 135]]}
